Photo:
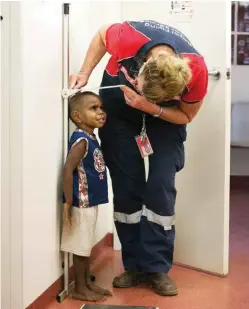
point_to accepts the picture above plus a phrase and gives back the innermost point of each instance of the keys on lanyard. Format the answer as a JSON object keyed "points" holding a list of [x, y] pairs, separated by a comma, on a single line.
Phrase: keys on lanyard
{"points": [[143, 142]]}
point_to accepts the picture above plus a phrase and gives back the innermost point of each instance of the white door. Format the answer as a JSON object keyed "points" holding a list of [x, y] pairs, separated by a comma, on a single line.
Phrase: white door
{"points": [[202, 207]]}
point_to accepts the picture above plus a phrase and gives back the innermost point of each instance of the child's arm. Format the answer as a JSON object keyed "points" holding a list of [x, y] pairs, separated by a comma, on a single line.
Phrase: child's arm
{"points": [[73, 160]]}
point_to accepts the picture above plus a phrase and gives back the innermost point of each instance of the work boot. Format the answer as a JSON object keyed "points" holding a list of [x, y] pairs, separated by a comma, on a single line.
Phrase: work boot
{"points": [[162, 284], [129, 279]]}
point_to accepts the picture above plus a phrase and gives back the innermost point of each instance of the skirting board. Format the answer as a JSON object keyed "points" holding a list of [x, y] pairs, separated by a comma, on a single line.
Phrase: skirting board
{"points": [[200, 270], [50, 294]]}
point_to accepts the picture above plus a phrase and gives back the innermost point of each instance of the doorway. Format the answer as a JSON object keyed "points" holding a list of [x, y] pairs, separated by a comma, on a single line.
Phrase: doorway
{"points": [[239, 184]]}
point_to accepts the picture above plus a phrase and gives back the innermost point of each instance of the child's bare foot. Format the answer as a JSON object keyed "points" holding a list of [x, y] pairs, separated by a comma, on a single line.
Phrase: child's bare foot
{"points": [[87, 295], [98, 289]]}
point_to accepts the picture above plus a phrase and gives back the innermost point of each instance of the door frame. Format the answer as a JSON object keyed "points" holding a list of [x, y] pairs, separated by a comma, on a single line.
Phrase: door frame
{"points": [[11, 158]]}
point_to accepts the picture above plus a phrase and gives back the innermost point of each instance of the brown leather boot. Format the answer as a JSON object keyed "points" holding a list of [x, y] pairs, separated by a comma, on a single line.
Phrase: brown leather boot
{"points": [[129, 279], [162, 284]]}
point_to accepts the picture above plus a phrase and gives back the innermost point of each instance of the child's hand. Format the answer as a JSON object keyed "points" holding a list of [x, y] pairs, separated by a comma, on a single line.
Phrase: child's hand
{"points": [[67, 212]]}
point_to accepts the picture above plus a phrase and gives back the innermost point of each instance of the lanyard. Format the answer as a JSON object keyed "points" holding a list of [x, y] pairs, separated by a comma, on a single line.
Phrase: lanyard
{"points": [[143, 131]]}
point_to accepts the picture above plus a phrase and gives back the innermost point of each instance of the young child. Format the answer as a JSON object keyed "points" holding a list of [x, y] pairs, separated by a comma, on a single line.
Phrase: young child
{"points": [[85, 187]]}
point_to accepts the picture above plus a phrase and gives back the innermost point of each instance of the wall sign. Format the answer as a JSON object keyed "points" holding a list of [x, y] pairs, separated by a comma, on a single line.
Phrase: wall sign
{"points": [[181, 10]]}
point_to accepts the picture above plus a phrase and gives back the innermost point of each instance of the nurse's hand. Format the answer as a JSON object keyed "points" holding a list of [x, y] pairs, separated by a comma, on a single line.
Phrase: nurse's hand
{"points": [[78, 80], [135, 100]]}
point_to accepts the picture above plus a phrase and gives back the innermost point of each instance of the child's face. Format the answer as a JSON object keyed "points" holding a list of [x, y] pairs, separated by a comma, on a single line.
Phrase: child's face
{"points": [[90, 114]]}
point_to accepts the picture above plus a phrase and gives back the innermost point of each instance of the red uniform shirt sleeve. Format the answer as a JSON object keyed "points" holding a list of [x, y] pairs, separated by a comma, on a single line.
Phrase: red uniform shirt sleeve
{"points": [[123, 41], [197, 87]]}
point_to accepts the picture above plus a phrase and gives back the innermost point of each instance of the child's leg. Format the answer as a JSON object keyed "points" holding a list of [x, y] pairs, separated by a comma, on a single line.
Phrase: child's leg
{"points": [[82, 292], [92, 286], [78, 240], [90, 226]]}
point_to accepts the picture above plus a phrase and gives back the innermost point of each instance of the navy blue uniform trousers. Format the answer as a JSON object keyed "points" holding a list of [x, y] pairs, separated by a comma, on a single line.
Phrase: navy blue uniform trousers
{"points": [[143, 210]]}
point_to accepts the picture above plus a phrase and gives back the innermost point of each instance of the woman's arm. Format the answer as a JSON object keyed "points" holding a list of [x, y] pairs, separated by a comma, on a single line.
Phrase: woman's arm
{"points": [[182, 114], [95, 53]]}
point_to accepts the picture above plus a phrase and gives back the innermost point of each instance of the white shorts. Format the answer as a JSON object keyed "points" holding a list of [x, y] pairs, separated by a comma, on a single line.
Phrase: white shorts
{"points": [[79, 238]]}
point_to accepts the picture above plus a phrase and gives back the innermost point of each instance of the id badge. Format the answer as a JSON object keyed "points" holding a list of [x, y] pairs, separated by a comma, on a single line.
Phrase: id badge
{"points": [[144, 145]]}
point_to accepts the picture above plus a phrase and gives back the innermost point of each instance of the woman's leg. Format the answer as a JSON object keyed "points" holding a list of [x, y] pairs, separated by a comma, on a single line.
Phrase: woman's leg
{"points": [[157, 227], [128, 180]]}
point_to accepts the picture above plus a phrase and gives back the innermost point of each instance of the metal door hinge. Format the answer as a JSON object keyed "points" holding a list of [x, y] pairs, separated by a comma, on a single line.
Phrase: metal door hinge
{"points": [[228, 74]]}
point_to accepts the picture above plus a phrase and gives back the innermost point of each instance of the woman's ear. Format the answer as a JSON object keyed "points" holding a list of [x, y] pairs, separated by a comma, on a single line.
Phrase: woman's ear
{"points": [[139, 83]]}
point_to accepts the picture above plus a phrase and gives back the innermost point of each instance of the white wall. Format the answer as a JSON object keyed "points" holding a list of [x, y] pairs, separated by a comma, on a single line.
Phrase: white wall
{"points": [[41, 25], [11, 152], [240, 89], [41, 50], [42, 145], [82, 29]]}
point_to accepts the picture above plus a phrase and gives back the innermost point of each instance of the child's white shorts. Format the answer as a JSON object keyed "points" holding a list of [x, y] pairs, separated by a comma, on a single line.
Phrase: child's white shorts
{"points": [[80, 237]]}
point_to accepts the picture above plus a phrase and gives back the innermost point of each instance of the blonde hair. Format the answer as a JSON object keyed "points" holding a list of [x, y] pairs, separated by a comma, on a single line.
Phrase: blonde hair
{"points": [[165, 76]]}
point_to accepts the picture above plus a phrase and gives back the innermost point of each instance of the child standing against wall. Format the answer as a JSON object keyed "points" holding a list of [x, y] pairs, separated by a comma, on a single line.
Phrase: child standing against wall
{"points": [[85, 187]]}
